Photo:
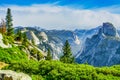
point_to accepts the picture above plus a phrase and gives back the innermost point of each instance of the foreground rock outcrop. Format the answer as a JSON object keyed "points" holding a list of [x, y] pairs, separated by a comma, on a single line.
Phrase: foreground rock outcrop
{"points": [[11, 75]]}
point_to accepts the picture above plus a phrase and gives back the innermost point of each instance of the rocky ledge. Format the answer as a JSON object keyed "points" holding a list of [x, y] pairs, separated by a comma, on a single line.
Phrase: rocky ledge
{"points": [[11, 75]]}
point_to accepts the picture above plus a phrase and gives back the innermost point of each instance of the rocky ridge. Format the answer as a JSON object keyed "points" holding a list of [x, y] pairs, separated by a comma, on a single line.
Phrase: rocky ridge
{"points": [[102, 49]]}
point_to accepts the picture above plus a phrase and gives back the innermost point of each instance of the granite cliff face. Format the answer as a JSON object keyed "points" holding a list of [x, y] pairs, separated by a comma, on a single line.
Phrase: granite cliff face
{"points": [[52, 39], [102, 49], [31, 36], [109, 30]]}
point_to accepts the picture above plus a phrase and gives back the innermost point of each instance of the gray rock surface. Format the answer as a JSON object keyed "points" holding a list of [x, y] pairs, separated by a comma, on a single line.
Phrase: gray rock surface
{"points": [[102, 49], [31, 36], [43, 36], [108, 29], [11, 75]]}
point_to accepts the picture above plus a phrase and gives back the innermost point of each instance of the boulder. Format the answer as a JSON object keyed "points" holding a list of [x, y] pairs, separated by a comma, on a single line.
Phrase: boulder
{"points": [[11, 75]]}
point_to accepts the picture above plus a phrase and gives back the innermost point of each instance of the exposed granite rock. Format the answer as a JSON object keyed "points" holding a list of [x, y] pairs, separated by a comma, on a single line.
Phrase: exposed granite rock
{"points": [[43, 36], [101, 49], [109, 29], [31, 36], [11, 75]]}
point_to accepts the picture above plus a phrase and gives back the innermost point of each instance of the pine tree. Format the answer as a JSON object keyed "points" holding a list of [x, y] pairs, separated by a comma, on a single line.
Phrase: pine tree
{"points": [[48, 57], [9, 24], [19, 35], [67, 54], [25, 41], [33, 42]]}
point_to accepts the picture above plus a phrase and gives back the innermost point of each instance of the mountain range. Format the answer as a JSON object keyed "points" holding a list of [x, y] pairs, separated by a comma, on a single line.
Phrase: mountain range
{"points": [[98, 46], [102, 49]]}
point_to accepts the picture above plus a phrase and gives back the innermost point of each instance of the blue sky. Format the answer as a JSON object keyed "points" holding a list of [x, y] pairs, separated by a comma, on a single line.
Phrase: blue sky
{"points": [[73, 3], [62, 14]]}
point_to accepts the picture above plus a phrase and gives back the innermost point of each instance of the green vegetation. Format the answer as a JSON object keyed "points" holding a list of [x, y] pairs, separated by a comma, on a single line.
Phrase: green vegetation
{"points": [[55, 70], [33, 42], [19, 35], [5, 40], [37, 54], [9, 24], [25, 41], [48, 57], [67, 53], [8, 39], [13, 54]]}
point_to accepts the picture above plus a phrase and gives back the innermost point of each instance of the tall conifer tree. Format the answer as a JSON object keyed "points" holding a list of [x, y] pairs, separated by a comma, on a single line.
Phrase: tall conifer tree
{"points": [[9, 23], [67, 53], [48, 57]]}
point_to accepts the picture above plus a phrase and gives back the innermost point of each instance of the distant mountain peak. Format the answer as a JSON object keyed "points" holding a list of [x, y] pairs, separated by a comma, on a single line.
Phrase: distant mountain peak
{"points": [[108, 29], [102, 48]]}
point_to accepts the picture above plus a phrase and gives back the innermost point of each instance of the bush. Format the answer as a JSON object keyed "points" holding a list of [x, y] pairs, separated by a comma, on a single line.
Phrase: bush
{"points": [[55, 70], [9, 55], [5, 40]]}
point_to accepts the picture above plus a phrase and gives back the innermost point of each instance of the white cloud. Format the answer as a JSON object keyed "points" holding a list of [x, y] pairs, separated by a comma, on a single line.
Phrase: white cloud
{"points": [[57, 17]]}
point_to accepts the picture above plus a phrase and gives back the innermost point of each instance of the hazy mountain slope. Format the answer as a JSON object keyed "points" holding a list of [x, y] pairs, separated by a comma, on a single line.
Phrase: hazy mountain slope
{"points": [[92, 46], [52, 39], [102, 49]]}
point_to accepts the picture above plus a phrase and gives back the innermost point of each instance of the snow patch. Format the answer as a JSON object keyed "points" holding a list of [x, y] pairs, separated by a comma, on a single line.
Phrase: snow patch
{"points": [[77, 41]]}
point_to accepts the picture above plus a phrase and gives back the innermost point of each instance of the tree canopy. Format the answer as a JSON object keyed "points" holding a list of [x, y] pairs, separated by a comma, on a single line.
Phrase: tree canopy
{"points": [[48, 57], [67, 53], [9, 23]]}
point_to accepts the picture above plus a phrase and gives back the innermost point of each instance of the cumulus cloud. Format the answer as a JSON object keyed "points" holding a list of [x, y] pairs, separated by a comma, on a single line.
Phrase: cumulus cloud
{"points": [[59, 17]]}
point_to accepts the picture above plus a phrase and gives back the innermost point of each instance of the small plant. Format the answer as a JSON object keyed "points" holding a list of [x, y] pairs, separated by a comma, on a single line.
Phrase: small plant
{"points": [[5, 40], [37, 54], [48, 57]]}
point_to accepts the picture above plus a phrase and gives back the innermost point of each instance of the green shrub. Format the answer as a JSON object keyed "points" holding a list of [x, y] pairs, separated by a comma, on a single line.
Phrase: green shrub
{"points": [[5, 40], [55, 70], [9, 55]]}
